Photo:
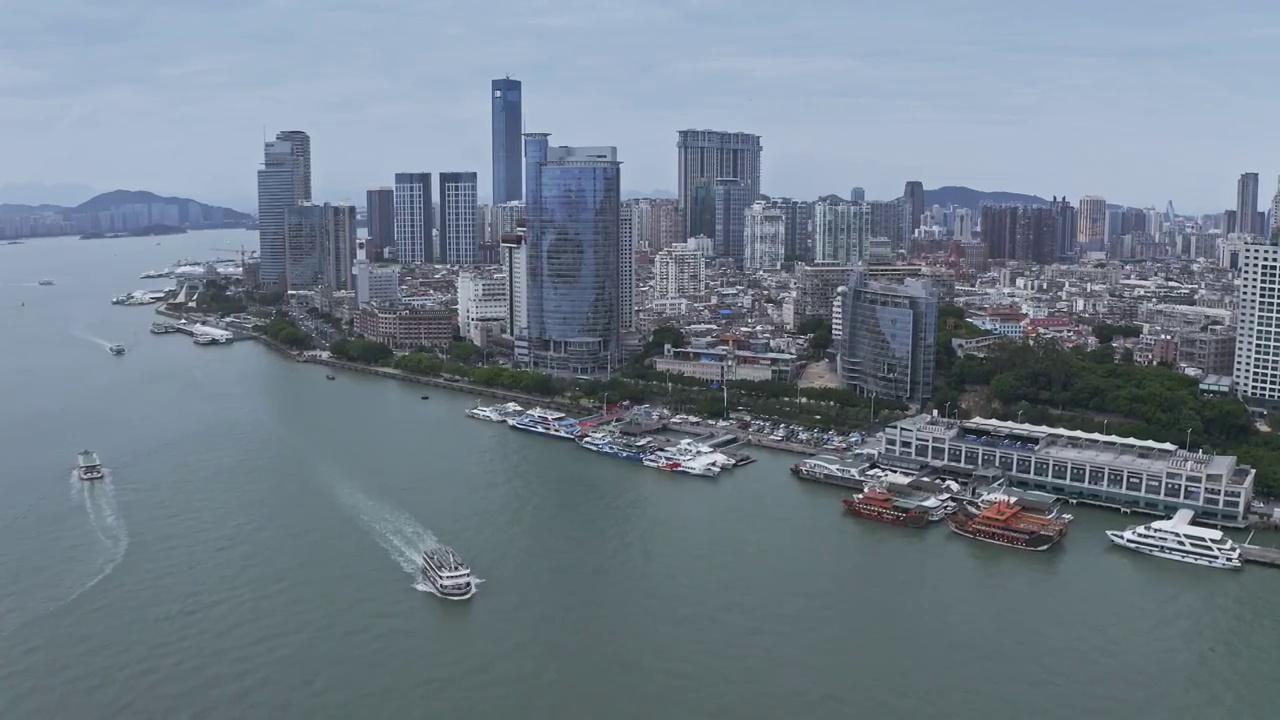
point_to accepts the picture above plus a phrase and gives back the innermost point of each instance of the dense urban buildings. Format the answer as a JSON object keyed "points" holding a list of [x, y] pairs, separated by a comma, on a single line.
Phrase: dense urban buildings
{"points": [[283, 182], [482, 304], [1247, 204], [457, 211], [890, 332], [507, 126], [414, 218], [572, 210], [705, 156], [380, 215]]}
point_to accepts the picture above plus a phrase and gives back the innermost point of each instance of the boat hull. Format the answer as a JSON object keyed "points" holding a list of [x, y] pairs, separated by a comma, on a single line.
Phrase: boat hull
{"points": [[547, 433], [453, 591], [1036, 543], [911, 520], [89, 474], [1118, 538]]}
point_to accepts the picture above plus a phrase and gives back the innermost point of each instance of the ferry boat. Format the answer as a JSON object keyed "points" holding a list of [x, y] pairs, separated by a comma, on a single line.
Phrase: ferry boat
{"points": [[546, 422], [1010, 520], [45, 282], [877, 504], [675, 460], [831, 470], [496, 413], [88, 467], [1177, 539], [699, 450], [445, 572], [116, 349], [617, 445], [161, 328]]}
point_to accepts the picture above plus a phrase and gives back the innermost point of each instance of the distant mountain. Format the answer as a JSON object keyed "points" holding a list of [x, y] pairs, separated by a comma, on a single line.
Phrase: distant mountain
{"points": [[116, 198], [974, 199]]}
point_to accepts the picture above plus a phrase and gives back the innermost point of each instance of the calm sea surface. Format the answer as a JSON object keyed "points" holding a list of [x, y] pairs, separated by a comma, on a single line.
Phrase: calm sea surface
{"points": [[251, 555]]}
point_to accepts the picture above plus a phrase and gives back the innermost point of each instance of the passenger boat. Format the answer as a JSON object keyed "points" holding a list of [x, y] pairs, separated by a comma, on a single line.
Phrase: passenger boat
{"points": [[1177, 539], [116, 349], [160, 328], [45, 282], [676, 460], [497, 413], [446, 573], [831, 470], [1013, 521], [546, 422], [875, 503], [617, 445], [88, 467]]}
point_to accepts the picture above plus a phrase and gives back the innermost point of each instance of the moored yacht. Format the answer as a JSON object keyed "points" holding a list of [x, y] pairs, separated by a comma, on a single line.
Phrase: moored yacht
{"points": [[88, 467], [496, 413], [546, 422], [160, 328], [1177, 539], [674, 459], [446, 573], [617, 445]]}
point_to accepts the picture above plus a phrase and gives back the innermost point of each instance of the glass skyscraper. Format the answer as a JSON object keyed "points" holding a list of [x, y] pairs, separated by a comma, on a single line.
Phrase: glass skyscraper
{"points": [[506, 141], [890, 330], [573, 240]]}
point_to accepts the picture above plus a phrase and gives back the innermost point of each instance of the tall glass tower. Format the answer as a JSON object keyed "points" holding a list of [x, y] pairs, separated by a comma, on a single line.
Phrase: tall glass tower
{"points": [[506, 141], [573, 245]]}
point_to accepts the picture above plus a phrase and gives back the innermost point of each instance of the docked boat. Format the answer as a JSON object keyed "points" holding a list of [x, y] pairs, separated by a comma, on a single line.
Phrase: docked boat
{"points": [[45, 282], [617, 445], [676, 460], [116, 349], [875, 503], [88, 467], [831, 470], [160, 328], [330, 377], [446, 573], [1028, 521], [546, 422], [496, 413], [1177, 539]]}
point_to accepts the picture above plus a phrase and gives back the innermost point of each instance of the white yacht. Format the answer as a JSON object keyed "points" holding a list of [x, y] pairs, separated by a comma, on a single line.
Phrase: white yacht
{"points": [[674, 459], [546, 422], [1177, 539], [446, 573], [161, 328], [496, 413], [88, 467]]}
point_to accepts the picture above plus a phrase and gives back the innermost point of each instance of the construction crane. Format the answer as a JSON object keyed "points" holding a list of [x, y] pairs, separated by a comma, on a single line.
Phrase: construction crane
{"points": [[244, 255]]}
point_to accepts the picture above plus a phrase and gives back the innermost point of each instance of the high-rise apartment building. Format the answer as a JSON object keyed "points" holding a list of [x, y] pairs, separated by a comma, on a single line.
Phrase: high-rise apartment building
{"points": [[962, 224], [840, 231], [507, 178], [705, 156], [1247, 204], [655, 223], [799, 219], [913, 206], [572, 208], [1257, 360], [515, 261], [380, 215], [1064, 226], [857, 194], [320, 246], [679, 270], [764, 237], [414, 219], [457, 214], [1273, 231], [887, 221], [482, 304], [890, 333], [733, 197], [283, 182], [1091, 224]]}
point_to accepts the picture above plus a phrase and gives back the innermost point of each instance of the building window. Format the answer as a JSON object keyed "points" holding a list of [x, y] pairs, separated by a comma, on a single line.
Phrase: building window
{"points": [[1059, 471], [1041, 468], [1023, 465]]}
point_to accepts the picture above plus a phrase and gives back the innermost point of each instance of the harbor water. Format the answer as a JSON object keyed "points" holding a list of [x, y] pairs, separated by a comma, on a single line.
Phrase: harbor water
{"points": [[251, 554]]}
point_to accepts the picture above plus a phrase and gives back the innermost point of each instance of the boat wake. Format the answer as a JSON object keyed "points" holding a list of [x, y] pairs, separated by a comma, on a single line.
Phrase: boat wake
{"points": [[403, 537], [100, 504], [93, 339]]}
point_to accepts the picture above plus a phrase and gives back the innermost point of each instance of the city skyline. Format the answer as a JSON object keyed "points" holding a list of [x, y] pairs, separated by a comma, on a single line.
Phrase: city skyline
{"points": [[912, 104]]}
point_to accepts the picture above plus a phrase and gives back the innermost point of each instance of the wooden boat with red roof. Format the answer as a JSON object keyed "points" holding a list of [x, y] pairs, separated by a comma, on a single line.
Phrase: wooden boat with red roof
{"points": [[875, 503], [1027, 523]]}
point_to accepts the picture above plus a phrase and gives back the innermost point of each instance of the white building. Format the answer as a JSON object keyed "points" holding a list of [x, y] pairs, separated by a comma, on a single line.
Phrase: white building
{"points": [[482, 304], [841, 231], [679, 270], [764, 237], [373, 284], [1257, 363], [515, 260]]}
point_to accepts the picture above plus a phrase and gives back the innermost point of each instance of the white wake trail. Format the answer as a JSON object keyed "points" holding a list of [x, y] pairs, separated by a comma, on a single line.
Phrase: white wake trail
{"points": [[93, 339]]}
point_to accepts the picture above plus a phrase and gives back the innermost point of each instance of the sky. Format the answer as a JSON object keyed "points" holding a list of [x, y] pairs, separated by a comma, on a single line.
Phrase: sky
{"points": [[1139, 101]]}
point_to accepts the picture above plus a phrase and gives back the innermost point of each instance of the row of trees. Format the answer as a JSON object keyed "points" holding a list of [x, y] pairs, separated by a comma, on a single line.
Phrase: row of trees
{"points": [[286, 333], [361, 350]]}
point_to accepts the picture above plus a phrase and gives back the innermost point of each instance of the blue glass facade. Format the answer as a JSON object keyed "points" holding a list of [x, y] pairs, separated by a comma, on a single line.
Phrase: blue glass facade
{"points": [[890, 331], [574, 247], [506, 141]]}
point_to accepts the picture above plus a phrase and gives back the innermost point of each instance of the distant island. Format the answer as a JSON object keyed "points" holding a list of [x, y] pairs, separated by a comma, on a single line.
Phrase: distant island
{"points": [[117, 213], [146, 231]]}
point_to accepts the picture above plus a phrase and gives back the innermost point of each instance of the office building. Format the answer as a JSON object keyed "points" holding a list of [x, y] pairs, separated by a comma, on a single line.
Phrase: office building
{"points": [[1064, 226], [705, 156], [381, 218], [373, 284], [840, 232], [457, 216], [1247, 204], [414, 219], [407, 327], [283, 182], [913, 206], [1145, 475], [507, 126], [506, 218], [1257, 359], [764, 237], [1091, 224], [733, 197], [482, 304], [679, 270], [858, 195], [890, 334], [320, 246], [573, 203]]}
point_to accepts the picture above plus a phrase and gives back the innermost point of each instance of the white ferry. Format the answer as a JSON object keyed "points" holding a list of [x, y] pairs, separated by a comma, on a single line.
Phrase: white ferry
{"points": [[161, 328], [88, 467], [617, 445], [699, 450], [496, 413], [1177, 539], [445, 572], [676, 460], [546, 422]]}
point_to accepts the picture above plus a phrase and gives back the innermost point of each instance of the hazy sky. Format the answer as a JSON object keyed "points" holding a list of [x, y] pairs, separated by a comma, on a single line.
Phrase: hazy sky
{"points": [[1141, 101]]}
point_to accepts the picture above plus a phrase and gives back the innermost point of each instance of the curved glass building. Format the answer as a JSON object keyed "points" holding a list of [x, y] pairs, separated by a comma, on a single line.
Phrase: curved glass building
{"points": [[573, 241]]}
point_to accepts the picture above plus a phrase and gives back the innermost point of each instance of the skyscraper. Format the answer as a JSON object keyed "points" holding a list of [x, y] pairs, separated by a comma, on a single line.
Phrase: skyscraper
{"points": [[1064, 226], [1273, 232], [913, 206], [733, 197], [764, 237], [506, 141], [380, 212], [414, 219], [1247, 204], [799, 216], [705, 156], [458, 218], [283, 182], [572, 207], [890, 333], [1091, 224], [1255, 378], [320, 242], [841, 230]]}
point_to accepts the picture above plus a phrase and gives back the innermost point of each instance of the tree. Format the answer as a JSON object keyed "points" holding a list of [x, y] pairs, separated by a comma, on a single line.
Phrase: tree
{"points": [[464, 351], [361, 350]]}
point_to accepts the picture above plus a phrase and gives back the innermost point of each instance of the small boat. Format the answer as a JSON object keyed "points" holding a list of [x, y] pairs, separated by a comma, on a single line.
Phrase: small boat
{"points": [[329, 377], [426, 397], [446, 573], [88, 467], [45, 282], [116, 349]]}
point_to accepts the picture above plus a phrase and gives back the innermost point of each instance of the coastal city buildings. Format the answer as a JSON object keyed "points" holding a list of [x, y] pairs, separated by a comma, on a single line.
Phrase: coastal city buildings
{"points": [[705, 156], [727, 363], [890, 331], [515, 262], [573, 254], [380, 215], [414, 218], [508, 176], [764, 238], [283, 182], [913, 206], [372, 283], [457, 209], [407, 327]]}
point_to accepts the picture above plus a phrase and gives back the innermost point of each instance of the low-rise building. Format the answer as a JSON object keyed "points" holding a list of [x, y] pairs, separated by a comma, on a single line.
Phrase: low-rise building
{"points": [[406, 327], [727, 363], [482, 303]]}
